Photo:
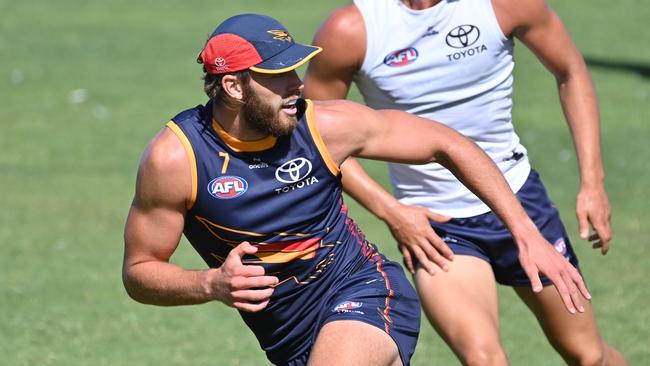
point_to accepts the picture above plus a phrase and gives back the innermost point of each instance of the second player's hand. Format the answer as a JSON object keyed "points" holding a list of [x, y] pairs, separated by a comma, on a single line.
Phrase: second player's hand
{"points": [[411, 228], [243, 287], [593, 208], [539, 256]]}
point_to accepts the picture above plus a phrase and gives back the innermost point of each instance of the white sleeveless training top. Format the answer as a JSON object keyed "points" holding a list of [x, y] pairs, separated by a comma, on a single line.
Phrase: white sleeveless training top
{"points": [[450, 63]]}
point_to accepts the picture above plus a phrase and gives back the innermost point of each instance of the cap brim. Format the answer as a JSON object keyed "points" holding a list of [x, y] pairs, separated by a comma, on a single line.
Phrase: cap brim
{"points": [[287, 60]]}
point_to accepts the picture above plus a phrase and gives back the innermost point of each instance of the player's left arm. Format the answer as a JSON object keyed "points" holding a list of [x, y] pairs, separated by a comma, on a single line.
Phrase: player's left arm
{"points": [[349, 128], [542, 31]]}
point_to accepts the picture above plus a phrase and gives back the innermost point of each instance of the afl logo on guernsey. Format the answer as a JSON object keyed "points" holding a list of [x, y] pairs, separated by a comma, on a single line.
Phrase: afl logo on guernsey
{"points": [[293, 170], [401, 57], [227, 187]]}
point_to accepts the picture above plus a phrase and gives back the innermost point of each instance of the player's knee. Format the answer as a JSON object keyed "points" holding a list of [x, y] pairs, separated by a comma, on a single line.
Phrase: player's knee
{"points": [[587, 356], [484, 354]]}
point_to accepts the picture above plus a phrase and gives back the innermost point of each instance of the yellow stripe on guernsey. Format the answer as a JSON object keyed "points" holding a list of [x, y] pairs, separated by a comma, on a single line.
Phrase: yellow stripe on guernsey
{"points": [[192, 160], [311, 122], [208, 224], [282, 257], [241, 145]]}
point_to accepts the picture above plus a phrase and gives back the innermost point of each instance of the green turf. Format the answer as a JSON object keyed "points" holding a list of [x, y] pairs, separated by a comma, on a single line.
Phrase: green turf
{"points": [[85, 84]]}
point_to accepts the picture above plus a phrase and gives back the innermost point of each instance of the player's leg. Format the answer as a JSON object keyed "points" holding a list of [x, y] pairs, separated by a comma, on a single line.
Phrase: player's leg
{"points": [[353, 343], [575, 337], [371, 318], [462, 306]]}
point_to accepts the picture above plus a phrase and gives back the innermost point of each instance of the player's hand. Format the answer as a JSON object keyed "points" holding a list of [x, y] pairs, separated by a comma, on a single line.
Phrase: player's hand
{"points": [[593, 209], [243, 287], [415, 237], [539, 256]]}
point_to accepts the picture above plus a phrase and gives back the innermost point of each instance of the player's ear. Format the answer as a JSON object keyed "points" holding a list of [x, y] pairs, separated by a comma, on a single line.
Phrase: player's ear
{"points": [[232, 86]]}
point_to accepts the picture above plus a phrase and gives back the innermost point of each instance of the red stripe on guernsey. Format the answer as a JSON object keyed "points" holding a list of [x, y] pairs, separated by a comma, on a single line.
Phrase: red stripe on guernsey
{"points": [[391, 293], [287, 251], [290, 246]]}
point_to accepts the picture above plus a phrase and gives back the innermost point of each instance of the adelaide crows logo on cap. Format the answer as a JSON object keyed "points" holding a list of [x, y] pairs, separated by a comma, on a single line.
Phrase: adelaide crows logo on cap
{"points": [[227, 187], [280, 35]]}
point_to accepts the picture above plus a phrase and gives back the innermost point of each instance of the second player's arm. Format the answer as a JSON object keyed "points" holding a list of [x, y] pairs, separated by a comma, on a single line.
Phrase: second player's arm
{"points": [[542, 31]]}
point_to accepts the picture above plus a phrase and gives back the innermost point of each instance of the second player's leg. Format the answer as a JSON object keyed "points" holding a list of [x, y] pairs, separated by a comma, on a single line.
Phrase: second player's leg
{"points": [[462, 305], [574, 336]]}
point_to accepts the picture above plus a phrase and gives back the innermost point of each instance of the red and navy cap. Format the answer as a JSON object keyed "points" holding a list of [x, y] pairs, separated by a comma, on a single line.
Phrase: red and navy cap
{"points": [[255, 42]]}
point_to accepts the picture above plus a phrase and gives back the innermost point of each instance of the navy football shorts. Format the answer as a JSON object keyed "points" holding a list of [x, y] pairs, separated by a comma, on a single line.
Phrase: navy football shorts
{"points": [[378, 294], [485, 237]]}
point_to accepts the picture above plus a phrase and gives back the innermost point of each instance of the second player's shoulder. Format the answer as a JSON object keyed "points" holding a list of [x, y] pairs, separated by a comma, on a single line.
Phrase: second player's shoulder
{"points": [[344, 22], [517, 15], [342, 30]]}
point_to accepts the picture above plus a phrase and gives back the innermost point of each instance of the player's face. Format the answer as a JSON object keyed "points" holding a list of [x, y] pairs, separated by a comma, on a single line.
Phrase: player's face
{"points": [[269, 102]]}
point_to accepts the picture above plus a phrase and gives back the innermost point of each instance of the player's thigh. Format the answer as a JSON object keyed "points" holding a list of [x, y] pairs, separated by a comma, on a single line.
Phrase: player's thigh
{"points": [[462, 303], [568, 333], [354, 343]]}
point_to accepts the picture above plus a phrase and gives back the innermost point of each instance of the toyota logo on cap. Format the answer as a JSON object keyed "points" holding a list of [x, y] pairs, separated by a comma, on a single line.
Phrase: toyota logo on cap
{"points": [[463, 36], [293, 170]]}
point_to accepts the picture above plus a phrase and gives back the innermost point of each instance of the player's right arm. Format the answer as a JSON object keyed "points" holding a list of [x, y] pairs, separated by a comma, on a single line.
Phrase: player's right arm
{"points": [[152, 234], [343, 39]]}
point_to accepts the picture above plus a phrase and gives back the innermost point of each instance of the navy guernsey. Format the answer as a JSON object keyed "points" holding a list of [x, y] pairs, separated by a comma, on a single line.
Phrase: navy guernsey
{"points": [[283, 195]]}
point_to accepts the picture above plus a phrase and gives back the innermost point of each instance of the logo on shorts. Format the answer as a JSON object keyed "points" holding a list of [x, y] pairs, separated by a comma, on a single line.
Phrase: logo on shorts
{"points": [[560, 246], [227, 187], [348, 307], [401, 57]]}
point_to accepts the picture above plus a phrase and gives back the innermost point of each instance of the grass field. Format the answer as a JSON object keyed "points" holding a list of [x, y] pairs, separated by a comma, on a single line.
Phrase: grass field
{"points": [[85, 84]]}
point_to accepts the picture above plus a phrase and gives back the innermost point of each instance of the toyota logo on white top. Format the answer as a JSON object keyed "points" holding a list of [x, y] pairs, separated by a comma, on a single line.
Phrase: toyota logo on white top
{"points": [[463, 36], [293, 170]]}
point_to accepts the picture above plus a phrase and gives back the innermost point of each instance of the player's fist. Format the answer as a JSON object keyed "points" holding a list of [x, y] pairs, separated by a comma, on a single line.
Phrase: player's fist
{"points": [[244, 287]]}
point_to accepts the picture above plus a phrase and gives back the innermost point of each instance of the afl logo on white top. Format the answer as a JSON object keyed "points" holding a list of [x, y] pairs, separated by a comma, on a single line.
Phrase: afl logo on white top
{"points": [[293, 170], [463, 36], [401, 57]]}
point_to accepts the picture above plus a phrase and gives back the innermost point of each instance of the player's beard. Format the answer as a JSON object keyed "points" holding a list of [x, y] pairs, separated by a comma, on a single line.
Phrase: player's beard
{"points": [[265, 117]]}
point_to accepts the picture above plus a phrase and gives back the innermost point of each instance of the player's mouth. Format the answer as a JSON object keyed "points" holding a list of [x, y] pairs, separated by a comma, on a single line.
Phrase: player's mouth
{"points": [[290, 107]]}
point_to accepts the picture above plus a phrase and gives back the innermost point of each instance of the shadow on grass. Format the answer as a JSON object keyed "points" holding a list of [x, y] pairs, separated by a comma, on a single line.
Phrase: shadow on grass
{"points": [[641, 69]]}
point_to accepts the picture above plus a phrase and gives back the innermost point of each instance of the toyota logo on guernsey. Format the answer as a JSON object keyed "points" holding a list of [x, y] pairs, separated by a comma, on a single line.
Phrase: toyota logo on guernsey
{"points": [[463, 36], [295, 173], [227, 187], [401, 57], [293, 170]]}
